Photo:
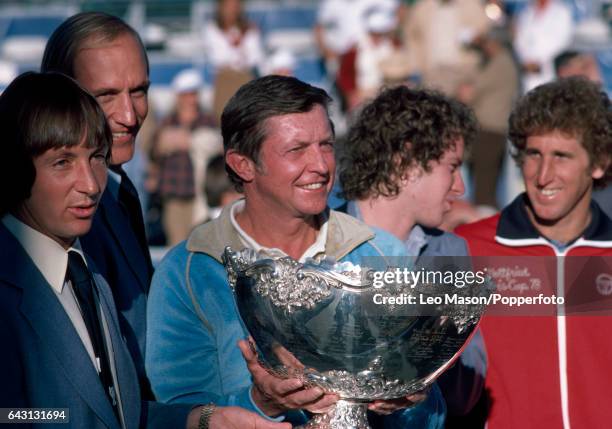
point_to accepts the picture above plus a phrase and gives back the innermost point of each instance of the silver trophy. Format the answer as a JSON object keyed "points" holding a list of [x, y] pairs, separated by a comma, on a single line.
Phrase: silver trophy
{"points": [[328, 324]]}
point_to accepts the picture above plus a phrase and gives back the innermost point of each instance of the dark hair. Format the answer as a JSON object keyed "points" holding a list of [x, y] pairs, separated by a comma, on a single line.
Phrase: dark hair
{"points": [[216, 183], [38, 112], [400, 128], [573, 106], [83, 30], [243, 122], [564, 58]]}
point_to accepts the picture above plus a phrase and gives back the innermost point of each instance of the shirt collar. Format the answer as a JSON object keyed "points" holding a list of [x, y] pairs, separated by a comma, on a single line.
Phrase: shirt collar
{"points": [[315, 249], [50, 258], [417, 239], [514, 223]]}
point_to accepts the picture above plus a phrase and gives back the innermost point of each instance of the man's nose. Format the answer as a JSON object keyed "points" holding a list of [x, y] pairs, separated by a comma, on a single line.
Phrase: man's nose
{"points": [[546, 171], [124, 111], [87, 181], [458, 183], [318, 159]]}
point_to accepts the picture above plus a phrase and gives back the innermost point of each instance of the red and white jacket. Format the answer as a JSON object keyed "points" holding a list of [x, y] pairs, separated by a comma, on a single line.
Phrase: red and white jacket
{"points": [[550, 371]]}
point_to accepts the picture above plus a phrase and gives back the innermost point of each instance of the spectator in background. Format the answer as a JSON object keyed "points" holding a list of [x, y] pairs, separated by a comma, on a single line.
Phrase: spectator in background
{"points": [[340, 25], [491, 94], [437, 34], [234, 48], [218, 187], [574, 63], [543, 30], [8, 72], [361, 69], [231, 40], [172, 160], [281, 62]]}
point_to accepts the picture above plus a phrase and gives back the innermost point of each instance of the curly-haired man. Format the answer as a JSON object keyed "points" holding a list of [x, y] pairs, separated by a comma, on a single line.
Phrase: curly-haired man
{"points": [[400, 172], [402, 158], [548, 371]]}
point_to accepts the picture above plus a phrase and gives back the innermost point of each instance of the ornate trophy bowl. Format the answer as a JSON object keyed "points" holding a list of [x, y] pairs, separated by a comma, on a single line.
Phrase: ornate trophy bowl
{"points": [[325, 324]]}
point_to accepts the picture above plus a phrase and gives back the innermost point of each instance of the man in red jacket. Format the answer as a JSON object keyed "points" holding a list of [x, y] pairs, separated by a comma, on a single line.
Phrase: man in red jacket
{"points": [[549, 364]]}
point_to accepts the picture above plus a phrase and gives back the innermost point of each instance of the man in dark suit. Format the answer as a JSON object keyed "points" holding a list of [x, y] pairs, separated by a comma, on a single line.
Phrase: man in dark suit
{"points": [[107, 57], [62, 346]]}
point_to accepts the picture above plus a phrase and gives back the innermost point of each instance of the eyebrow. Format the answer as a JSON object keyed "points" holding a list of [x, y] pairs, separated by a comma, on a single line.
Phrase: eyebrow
{"points": [[105, 91], [144, 85], [329, 138], [563, 152], [112, 91], [61, 152]]}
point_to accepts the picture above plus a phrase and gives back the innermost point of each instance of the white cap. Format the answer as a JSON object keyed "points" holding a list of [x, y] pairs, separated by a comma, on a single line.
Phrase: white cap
{"points": [[8, 72], [282, 59], [188, 80], [380, 21]]}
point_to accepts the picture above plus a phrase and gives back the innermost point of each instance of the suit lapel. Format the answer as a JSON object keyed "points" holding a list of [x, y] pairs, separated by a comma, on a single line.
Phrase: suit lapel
{"points": [[53, 326], [119, 225], [124, 367]]}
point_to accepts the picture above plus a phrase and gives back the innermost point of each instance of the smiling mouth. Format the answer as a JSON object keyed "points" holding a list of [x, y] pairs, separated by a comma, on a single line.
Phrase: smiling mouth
{"points": [[122, 135], [549, 193], [313, 186]]}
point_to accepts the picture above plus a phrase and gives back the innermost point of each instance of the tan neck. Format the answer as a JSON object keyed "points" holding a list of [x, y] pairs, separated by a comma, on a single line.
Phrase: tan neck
{"points": [[565, 230]]}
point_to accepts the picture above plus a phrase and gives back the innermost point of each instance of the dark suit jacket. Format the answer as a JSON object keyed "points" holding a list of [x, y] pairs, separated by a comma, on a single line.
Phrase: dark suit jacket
{"points": [[43, 362], [114, 247]]}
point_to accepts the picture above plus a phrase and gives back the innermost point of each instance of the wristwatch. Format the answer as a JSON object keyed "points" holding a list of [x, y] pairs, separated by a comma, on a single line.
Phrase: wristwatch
{"points": [[207, 412]]}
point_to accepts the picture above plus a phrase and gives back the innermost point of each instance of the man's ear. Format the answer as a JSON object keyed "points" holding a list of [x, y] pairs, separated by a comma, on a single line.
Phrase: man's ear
{"points": [[412, 174], [600, 168], [241, 164]]}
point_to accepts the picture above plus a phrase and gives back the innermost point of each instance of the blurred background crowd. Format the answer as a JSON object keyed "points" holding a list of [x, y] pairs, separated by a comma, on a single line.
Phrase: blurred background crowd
{"points": [[485, 53]]}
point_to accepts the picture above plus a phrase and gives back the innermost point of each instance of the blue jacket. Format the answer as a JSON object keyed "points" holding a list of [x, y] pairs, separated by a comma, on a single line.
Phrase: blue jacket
{"points": [[114, 247], [194, 326], [44, 363]]}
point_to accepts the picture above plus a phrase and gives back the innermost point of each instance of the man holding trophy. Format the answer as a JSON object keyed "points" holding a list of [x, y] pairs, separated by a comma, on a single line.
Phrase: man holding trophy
{"points": [[279, 151]]}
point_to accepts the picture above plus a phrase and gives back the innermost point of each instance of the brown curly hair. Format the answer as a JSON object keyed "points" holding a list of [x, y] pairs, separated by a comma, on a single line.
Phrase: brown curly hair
{"points": [[573, 106], [401, 128]]}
